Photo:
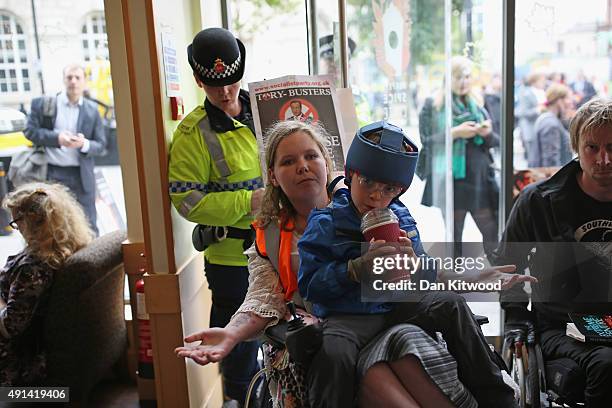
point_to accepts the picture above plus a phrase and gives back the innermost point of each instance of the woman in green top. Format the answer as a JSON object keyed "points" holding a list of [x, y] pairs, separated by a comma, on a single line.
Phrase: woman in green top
{"points": [[475, 188]]}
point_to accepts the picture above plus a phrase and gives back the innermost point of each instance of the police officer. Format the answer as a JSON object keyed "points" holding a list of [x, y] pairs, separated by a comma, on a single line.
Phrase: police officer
{"points": [[215, 181], [328, 66]]}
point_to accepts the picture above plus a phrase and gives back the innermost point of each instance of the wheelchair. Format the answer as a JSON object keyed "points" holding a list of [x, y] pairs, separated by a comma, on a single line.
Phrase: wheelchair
{"points": [[560, 381], [258, 395]]}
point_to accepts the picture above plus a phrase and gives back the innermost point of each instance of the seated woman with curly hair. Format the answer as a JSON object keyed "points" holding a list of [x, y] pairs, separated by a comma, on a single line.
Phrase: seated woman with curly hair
{"points": [[54, 227]]}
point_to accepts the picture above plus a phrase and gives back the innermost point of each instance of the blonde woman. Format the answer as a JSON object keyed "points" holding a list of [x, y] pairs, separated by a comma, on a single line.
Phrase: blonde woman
{"points": [[406, 362], [474, 185], [54, 226]]}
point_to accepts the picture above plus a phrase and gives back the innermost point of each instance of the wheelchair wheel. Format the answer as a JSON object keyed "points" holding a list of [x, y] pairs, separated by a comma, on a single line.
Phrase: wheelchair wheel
{"points": [[534, 377], [517, 372], [258, 395], [506, 354]]}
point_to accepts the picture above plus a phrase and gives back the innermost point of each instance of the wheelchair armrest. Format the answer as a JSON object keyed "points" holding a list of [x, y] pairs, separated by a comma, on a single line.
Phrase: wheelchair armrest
{"points": [[277, 334], [520, 330], [481, 319]]}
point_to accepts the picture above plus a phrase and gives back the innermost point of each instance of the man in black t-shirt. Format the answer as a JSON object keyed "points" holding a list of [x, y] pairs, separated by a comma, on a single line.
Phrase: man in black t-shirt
{"points": [[561, 229]]}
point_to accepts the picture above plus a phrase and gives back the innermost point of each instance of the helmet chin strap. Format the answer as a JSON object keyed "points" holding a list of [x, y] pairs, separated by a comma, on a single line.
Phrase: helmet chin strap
{"points": [[334, 183]]}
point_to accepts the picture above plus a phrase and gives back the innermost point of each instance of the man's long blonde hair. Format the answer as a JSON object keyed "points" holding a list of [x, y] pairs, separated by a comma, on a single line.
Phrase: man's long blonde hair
{"points": [[52, 222], [275, 201]]}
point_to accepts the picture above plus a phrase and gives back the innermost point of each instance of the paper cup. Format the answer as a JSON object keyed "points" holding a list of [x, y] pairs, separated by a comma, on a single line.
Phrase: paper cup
{"points": [[387, 231]]}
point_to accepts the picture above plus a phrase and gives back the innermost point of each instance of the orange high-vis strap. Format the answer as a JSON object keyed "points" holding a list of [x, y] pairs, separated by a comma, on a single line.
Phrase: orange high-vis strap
{"points": [[274, 243]]}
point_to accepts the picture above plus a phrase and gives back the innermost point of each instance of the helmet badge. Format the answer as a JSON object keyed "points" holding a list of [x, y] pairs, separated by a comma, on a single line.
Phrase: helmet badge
{"points": [[219, 66]]}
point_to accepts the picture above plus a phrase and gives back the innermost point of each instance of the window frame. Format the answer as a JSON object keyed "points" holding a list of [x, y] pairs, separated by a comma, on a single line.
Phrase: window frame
{"points": [[15, 70], [94, 41]]}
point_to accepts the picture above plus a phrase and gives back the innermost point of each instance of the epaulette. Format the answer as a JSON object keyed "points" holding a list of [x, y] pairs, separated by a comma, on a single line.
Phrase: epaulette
{"points": [[192, 119]]}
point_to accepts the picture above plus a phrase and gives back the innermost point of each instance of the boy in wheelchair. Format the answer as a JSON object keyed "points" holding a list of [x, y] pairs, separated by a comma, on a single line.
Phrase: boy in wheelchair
{"points": [[379, 168], [561, 229]]}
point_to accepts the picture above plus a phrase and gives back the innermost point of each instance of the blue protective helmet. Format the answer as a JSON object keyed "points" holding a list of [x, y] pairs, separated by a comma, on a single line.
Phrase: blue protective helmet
{"points": [[384, 161]]}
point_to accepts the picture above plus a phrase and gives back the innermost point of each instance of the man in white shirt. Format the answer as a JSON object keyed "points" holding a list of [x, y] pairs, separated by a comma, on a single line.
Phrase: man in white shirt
{"points": [[72, 132]]}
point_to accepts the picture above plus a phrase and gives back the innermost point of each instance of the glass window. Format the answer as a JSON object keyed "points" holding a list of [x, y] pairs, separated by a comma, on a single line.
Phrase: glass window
{"points": [[562, 60], [445, 92], [13, 55], [475, 98], [93, 37], [24, 78], [275, 37], [396, 72]]}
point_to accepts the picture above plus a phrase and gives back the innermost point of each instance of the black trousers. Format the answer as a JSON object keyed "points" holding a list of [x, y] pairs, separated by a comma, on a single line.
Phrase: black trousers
{"points": [[331, 376], [71, 177], [228, 285], [595, 360]]}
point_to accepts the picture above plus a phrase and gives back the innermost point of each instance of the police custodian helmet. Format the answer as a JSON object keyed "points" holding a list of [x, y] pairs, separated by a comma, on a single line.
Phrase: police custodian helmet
{"points": [[392, 160], [326, 46], [217, 57]]}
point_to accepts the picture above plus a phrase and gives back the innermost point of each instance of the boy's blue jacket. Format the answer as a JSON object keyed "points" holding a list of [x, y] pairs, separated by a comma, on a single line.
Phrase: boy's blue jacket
{"points": [[328, 243]]}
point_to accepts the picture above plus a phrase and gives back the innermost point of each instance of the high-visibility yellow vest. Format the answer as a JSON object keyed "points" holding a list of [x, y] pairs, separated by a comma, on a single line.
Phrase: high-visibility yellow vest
{"points": [[212, 176]]}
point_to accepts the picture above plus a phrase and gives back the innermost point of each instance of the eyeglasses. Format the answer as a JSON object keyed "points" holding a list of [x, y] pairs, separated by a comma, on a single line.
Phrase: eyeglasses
{"points": [[387, 190], [13, 223]]}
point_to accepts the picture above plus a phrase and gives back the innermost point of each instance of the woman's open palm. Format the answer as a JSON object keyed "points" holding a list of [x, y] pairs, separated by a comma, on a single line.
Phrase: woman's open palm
{"points": [[216, 344]]}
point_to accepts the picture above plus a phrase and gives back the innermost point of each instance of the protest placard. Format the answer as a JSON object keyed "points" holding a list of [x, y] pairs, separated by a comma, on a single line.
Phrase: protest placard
{"points": [[311, 99]]}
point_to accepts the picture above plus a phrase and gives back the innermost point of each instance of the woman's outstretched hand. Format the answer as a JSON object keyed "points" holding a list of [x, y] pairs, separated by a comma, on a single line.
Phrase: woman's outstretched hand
{"points": [[216, 344]]}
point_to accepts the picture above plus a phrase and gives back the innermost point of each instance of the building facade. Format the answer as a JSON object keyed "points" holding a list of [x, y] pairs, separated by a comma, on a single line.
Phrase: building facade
{"points": [[38, 38]]}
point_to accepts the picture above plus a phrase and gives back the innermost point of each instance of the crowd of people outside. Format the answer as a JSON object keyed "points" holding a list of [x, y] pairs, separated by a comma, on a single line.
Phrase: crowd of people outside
{"points": [[544, 107]]}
